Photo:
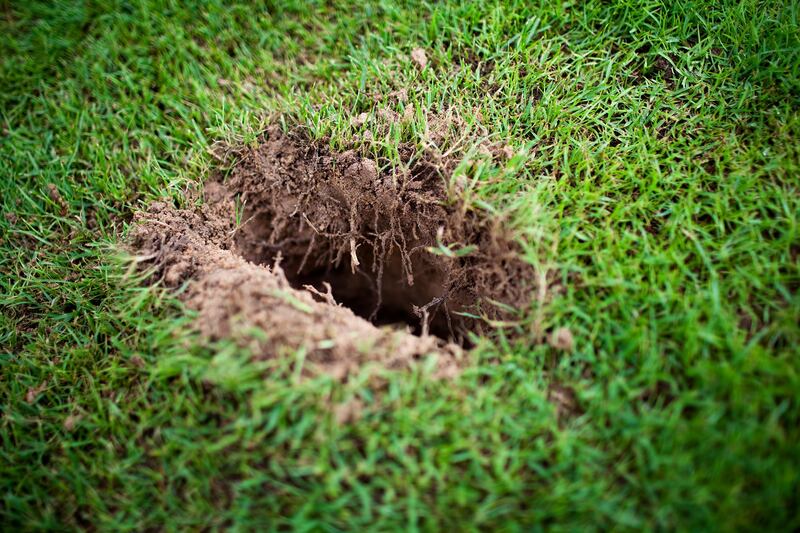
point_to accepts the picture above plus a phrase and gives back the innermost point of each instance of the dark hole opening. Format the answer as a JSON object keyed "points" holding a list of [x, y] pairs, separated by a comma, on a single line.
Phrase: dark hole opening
{"points": [[384, 298]]}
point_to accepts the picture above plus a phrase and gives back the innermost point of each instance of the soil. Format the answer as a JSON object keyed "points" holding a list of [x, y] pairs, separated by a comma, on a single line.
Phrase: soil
{"points": [[332, 253]]}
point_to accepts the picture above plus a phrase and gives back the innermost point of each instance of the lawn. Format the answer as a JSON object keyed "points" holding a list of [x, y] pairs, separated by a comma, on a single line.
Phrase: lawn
{"points": [[655, 181]]}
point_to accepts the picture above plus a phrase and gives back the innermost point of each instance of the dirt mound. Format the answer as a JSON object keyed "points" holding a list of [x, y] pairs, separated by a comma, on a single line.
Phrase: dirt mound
{"points": [[328, 252]]}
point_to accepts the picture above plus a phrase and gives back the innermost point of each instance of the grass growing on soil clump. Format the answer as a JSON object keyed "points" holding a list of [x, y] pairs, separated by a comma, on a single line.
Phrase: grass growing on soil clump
{"points": [[652, 172]]}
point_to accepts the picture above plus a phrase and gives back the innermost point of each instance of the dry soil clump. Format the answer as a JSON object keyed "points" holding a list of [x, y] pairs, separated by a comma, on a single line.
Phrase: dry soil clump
{"points": [[330, 253]]}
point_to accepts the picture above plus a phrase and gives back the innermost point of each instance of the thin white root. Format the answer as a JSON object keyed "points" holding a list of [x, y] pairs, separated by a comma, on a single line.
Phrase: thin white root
{"points": [[353, 257], [327, 296]]}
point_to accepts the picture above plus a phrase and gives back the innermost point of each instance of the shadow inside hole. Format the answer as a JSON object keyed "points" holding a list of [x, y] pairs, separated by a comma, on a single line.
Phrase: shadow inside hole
{"points": [[390, 301]]}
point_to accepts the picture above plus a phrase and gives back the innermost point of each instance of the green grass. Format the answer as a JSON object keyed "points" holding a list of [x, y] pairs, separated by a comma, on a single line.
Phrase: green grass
{"points": [[659, 183]]}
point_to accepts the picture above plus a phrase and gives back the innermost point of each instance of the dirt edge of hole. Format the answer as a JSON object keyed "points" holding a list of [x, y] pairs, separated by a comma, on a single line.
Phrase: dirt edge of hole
{"points": [[336, 254]]}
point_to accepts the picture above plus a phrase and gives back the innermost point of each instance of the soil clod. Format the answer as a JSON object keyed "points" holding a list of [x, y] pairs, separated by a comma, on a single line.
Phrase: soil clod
{"points": [[419, 57]]}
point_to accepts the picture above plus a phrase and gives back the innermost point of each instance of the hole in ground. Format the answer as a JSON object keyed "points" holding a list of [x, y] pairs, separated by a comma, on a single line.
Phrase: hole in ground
{"points": [[335, 218], [383, 295]]}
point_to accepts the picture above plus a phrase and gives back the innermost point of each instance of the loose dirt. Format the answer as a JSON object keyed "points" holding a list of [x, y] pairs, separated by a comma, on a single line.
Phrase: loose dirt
{"points": [[338, 255]]}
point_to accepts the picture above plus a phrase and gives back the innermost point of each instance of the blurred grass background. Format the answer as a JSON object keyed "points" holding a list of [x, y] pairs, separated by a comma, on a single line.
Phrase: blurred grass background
{"points": [[657, 178]]}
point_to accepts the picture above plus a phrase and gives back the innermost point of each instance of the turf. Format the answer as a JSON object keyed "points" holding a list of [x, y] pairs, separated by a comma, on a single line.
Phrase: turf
{"points": [[657, 182]]}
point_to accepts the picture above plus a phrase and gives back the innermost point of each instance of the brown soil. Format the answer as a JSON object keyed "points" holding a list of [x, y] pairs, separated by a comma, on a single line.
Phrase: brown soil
{"points": [[335, 255]]}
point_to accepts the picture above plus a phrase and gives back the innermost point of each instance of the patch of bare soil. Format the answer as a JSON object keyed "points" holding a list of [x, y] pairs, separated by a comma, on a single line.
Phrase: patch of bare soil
{"points": [[330, 253]]}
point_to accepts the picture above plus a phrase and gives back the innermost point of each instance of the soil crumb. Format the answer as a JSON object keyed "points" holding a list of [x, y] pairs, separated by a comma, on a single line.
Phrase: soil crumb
{"points": [[331, 253], [419, 57]]}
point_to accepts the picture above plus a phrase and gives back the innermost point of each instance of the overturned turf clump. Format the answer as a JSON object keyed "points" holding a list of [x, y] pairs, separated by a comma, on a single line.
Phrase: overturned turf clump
{"points": [[327, 252]]}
